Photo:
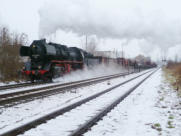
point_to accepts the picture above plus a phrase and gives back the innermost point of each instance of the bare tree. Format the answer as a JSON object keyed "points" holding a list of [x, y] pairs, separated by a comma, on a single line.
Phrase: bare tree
{"points": [[10, 61], [4, 36], [176, 58]]}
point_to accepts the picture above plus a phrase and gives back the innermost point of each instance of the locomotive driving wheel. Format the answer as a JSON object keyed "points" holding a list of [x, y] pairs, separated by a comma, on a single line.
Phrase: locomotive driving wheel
{"points": [[47, 78]]}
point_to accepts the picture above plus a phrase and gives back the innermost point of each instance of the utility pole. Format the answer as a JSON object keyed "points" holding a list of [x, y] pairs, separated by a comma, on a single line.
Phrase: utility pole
{"points": [[122, 51], [86, 42], [123, 60]]}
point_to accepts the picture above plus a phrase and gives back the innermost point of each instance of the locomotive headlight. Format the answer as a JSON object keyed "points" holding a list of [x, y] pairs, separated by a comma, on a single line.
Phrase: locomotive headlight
{"points": [[39, 67]]}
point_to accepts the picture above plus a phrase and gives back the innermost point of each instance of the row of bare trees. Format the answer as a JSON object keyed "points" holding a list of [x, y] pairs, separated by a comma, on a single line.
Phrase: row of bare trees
{"points": [[10, 61]]}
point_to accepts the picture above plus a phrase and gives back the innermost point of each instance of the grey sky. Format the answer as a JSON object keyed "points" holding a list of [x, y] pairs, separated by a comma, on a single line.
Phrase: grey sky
{"points": [[21, 16], [151, 27]]}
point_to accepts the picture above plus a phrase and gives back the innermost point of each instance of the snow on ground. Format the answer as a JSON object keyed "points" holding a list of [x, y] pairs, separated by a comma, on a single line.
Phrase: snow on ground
{"points": [[152, 109], [10, 83], [19, 89], [19, 114], [63, 125]]}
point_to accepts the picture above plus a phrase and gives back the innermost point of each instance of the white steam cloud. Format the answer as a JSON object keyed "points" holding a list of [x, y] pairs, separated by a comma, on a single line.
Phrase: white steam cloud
{"points": [[96, 71], [154, 22]]}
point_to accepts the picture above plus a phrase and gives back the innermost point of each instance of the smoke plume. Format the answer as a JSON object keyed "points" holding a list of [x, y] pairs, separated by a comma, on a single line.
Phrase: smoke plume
{"points": [[153, 22]]}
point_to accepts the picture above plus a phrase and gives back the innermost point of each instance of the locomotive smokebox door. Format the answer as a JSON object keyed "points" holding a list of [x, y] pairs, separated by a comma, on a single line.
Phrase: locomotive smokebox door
{"points": [[24, 51]]}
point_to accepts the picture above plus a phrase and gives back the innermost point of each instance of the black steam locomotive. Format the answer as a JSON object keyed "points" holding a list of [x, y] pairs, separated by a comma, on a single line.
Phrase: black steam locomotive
{"points": [[48, 60]]}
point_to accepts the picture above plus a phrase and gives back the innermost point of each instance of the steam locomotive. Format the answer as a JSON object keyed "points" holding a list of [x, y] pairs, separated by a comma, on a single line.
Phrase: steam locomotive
{"points": [[48, 60]]}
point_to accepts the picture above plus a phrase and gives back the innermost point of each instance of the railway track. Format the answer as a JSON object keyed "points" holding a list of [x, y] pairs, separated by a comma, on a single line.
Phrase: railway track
{"points": [[10, 99], [87, 126], [21, 129], [5, 87]]}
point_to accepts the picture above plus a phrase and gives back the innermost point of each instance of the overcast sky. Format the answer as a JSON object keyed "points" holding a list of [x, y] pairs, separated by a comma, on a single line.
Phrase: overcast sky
{"points": [[150, 27]]}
